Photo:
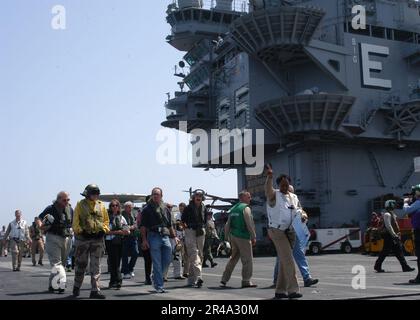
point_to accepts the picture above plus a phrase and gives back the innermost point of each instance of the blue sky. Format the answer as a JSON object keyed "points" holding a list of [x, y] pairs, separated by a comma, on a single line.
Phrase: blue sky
{"points": [[84, 104]]}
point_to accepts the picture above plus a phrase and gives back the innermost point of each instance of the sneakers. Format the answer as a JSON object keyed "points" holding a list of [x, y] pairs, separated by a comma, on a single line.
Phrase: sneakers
{"points": [[185, 275], [214, 264], [310, 282], [222, 284], [132, 274], [160, 290], [127, 276], [295, 295], [96, 295], [76, 292]]}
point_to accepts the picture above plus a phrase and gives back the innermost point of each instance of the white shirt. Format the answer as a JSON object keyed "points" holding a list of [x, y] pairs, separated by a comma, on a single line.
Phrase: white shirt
{"points": [[281, 216], [19, 230]]}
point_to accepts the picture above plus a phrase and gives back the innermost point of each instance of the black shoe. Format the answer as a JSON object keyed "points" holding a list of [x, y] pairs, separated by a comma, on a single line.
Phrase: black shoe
{"points": [[33, 264], [199, 283], [96, 295], [18, 269], [415, 281], [61, 291], [185, 275], [14, 269], [165, 279], [407, 268], [40, 263], [222, 284], [279, 296], [118, 286], [205, 265], [295, 295], [179, 278], [51, 290], [76, 292], [148, 282], [310, 282], [378, 269], [249, 285], [213, 264]]}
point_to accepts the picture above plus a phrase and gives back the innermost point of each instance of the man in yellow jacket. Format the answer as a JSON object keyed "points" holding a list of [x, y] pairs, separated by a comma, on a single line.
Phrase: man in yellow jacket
{"points": [[90, 224]]}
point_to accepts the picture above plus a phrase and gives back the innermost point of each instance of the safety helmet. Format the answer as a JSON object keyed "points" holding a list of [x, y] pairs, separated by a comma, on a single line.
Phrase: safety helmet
{"points": [[199, 192], [91, 189], [390, 204], [416, 189]]}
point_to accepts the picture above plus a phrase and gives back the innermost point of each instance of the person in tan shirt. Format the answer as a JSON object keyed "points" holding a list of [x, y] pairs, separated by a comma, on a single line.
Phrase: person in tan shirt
{"points": [[241, 230]]}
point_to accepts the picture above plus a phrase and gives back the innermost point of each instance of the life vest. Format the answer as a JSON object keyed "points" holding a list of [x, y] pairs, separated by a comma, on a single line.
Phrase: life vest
{"points": [[91, 221], [238, 226], [37, 234]]}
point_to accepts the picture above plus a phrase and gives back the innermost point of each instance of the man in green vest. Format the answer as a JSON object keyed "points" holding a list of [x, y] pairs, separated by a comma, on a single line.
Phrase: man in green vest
{"points": [[241, 230]]}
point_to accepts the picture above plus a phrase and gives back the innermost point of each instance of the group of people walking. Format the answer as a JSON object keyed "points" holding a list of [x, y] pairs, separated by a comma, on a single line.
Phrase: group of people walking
{"points": [[189, 239]]}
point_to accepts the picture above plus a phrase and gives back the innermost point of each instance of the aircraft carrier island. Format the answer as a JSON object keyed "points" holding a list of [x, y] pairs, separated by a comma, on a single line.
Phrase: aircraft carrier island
{"points": [[334, 84]]}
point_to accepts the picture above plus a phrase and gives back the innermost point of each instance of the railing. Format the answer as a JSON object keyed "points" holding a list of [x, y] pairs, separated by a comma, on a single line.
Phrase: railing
{"points": [[222, 5]]}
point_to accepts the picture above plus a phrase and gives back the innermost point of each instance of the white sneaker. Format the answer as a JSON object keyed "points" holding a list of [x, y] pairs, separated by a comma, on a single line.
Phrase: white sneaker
{"points": [[127, 276], [132, 274]]}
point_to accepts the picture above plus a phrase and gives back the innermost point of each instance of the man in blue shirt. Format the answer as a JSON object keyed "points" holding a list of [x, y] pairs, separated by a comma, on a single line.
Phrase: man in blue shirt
{"points": [[412, 208]]}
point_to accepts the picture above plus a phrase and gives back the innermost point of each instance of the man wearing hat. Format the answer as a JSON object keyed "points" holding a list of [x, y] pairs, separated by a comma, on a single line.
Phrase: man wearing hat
{"points": [[391, 235], [90, 223], [412, 208]]}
